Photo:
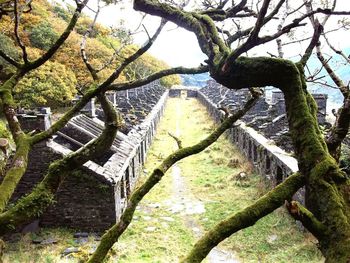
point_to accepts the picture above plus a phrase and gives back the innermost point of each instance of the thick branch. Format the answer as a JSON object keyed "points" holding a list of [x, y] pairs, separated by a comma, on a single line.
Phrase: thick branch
{"points": [[218, 14], [245, 218], [113, 234], [158, 75], [9, 106], [15, 172], [92, 92], [301, 213], [318, 30], [340, 84], [10, 60], [177, 16]]}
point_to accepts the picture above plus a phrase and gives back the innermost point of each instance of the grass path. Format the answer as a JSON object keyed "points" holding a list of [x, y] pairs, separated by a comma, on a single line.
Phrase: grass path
{"points": [[194, 195]]}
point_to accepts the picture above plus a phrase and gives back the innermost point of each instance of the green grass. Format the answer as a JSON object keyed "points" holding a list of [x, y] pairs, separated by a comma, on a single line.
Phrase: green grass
{"points": [[213, 181], [210, 176]]}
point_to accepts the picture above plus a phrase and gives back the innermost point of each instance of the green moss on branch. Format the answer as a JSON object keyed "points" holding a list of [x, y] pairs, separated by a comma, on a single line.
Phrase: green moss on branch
{"points": [[15, 172], [245, 218]]}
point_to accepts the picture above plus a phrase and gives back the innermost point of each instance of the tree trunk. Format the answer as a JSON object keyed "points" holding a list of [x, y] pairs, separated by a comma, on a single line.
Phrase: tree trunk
{"points": [[328, 186]]}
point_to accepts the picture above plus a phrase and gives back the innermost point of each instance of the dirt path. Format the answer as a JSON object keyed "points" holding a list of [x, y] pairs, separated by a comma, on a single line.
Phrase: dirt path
{"points": [[183, 201]]}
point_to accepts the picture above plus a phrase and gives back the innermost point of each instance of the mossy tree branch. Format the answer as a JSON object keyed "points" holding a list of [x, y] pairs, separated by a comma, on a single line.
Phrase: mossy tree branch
{"points": [[157, 75], [59, 42], [194, 22], [30, 65], [301, 213], [245, 218], [15, 172], [113, 234]]}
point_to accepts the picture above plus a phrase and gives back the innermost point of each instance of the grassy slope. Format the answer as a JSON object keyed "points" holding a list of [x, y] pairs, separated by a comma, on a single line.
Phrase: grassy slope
{"points": [[210, 177]]}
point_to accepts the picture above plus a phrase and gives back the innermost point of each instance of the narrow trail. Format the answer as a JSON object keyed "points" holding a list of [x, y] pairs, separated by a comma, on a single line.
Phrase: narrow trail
{"points": [[183, 201]]}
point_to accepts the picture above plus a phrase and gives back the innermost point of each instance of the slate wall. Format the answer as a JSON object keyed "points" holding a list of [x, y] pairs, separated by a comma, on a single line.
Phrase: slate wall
{"points": [[269, 160], [86, 200]]}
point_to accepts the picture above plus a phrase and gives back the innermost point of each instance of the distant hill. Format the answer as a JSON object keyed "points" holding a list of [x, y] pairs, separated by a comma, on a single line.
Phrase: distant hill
{"points": [[334, 96], [198, 80]]}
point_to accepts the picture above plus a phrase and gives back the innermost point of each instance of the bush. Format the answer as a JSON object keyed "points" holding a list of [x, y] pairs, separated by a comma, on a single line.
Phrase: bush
{"points": [[51, 85], [43, 36]]}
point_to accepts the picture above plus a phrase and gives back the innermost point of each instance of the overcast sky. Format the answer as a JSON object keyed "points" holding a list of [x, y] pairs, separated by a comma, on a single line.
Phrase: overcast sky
{"points": [[179, 47]]}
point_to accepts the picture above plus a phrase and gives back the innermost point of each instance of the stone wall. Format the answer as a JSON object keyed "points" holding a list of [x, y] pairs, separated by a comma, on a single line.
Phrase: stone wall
{"points": [[268, 159], [82, 202], [92, 197]]}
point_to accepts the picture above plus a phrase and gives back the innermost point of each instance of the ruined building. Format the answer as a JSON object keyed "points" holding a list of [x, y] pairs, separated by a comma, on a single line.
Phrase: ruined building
{"points": [[93, 197]]}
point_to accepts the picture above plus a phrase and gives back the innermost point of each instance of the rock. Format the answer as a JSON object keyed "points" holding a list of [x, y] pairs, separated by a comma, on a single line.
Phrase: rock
{"points": [[33, 227], [165, 225], [167, 218], [92, 249], [155, 205], [37, 240], [81, 234], [271, 239], [196, 230], [70, 250], [49, 241], [150, 229], [81, 241], [14, 238], [147, 218]]}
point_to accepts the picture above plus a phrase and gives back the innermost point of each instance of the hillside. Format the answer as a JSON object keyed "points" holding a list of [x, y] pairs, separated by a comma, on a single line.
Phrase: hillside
{"points": [[57, 82]]}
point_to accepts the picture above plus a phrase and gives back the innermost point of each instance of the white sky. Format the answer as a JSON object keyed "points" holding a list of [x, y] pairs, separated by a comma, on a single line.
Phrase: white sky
{"points": [[179, 47]]}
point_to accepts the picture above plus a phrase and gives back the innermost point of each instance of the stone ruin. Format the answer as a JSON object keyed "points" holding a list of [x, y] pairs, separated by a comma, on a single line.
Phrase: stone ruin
{"points": [[268, 116], [262, 135], [93, 197]]}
